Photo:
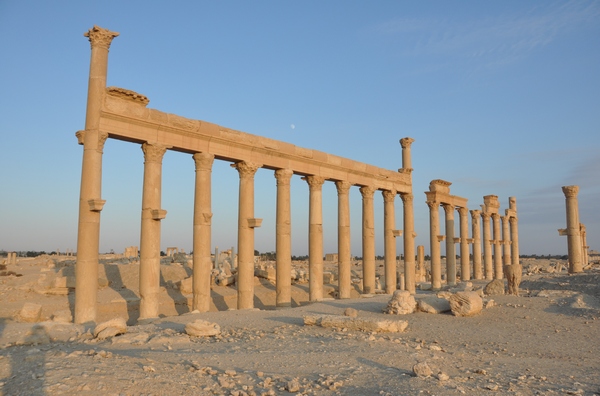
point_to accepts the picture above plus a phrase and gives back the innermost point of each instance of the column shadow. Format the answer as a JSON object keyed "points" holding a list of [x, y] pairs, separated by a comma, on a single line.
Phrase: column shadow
{"points": [[113, 274]]}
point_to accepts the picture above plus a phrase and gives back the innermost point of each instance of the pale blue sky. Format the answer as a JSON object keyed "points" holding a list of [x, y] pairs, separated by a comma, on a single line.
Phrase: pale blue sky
{"points": [[502, 98]]}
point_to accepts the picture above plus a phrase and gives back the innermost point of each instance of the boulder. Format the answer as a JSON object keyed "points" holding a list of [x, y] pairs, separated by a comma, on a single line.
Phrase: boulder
{"points": [[202, 328], [422, 370], [401, 303], [466, 304], [110, 328], [494, 288]]}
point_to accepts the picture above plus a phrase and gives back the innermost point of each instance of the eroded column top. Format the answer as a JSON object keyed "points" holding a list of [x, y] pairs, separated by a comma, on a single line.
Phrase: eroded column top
{"points": [[570, 191], [100, 37]]}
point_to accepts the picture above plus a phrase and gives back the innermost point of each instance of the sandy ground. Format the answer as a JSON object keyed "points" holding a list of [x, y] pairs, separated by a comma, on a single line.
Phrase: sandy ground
{"points": [[547, 341]]}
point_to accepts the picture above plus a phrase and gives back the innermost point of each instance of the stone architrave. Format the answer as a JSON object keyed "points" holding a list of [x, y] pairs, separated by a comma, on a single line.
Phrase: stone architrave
{"points": [[450, 246], [409, 243], [315, 237], [344, 253], [283, 239], [465, 267], [389, 241], [476, 230], [434, 245], [246, 225], [202, 263], [90, 203], [573, 229], [368, 239], [150, 230]]}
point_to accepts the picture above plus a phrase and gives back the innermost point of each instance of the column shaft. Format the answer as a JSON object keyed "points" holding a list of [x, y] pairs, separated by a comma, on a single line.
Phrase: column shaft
{"points": [[498, 271], [150, 230], [368, 239], [514, 237], [315, 237], [409, 243], [487, 247], [389, 240], [202, 263], [434, 245], [344, 254], [573, 229], [476, 230], [505, 240], [450, 247], [465, 268], [283, 239]]}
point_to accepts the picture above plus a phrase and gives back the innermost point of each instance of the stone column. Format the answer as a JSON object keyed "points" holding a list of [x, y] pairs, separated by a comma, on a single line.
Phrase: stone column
{"points": [[465, 267], [573, 234], [389, 241], [315, 237], [477, 270], [421, 263], [488, 264], [409, 243], [514, 237], [368, 239], [406, 159], [150, 230], [344, 254], [498, 271], [584, 246], [434, 245], [283, 240], [505, 240], [450, 247], [90, 202], [202, 263], [246, 225]]}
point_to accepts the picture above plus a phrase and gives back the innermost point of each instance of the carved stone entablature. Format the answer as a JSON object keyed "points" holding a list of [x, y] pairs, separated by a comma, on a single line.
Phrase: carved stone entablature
{"points": [[100, 37], [491, 203], [96, 204], [127, 94], [439, 185], [570, 191]]}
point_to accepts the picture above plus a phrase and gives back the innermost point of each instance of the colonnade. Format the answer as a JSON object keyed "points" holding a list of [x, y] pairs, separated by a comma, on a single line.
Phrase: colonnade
{"points": [[121, 114]]}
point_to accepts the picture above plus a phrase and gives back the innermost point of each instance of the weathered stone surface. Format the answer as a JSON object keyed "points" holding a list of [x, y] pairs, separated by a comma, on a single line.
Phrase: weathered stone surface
{"points": [[466, 304], [495, 287], [185, 286], [433, 304], [401, 303], [30, 313], [513, 276], [461, 287], [363, 324], [202, 328], [110, 328], [351, 312], [62, 316], [422, 370]]}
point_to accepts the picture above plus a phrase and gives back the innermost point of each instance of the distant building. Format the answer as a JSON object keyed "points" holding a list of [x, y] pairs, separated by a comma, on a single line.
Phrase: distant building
{"points": [[331, 257]]}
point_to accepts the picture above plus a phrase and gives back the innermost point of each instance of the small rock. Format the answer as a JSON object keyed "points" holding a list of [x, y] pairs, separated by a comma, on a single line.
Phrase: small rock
{"points": [[443, 376], [110, 328], [293, 386], [351, 312], [422, 370], [202, 328], [401, 303]]}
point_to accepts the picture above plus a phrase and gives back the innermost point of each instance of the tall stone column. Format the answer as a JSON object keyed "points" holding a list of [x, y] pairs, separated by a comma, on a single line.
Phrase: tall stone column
{"points": [[315, 237], [409, 243], [150, 230], [498, 271], [389, 240], [421, 263], [368, 239], [488, 264], [465, 268], [406, 158], [90, 203], [283, 240], [344, 254], [434, 245], [505, 240], [476, 229], [584, 246], [514, 237], [246, 225], [450, 247], [573, 233], [202, 263]]}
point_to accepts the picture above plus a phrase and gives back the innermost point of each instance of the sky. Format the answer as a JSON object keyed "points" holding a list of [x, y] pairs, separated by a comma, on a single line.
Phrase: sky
{"points": [[501, 98]]}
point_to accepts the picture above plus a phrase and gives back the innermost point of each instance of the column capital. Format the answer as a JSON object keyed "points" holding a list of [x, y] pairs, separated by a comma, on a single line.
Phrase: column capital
{"points": [[367, 192], [462, 211], [475, 213], [407, 198], [203, 161], [406, 142], [570, 191], [246, 169], [495, 216], [513, 220], [100, 37], [342, 186], [432, 204], [314, 182], [154, 152], [283, 176], [388, 195], [448, 208], [485, 215]]}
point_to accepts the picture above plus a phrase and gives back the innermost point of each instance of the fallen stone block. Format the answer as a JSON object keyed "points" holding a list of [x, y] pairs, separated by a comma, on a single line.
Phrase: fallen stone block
{"points": [[466, 304], [433, 305], [110, 328], [362, 324], [30, 313], [185, 286], [62, 316], [401, 303], [494, 288], [202, 328]]}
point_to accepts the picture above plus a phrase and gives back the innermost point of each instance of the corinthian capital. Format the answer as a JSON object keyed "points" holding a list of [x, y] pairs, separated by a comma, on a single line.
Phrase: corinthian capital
{"points": [[407, 198], [100, 37], [570, 191], [388, 195], [433, 205], [246, 168], [314, 182], [406, 142], [153, 152], [283, 176], [367, 192], [342, 187], [475, 213], [203, 161]]}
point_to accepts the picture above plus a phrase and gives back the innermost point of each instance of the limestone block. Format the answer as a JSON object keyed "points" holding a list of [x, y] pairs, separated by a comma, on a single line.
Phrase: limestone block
{"points": [[328, 278], [202, 328], [267, 273], [462, 286], [495, 287], [433, 304], [466, 304], [401, 303], [185, 286], [363, 324], [110, 328], [62, 316], [30, 313]]}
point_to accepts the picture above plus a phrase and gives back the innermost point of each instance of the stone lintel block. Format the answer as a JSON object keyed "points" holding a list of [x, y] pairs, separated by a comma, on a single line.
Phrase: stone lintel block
{"points": [[397, 233], [254, 223], [96, 204], [158, 214], [441, 238], [562, 232]]}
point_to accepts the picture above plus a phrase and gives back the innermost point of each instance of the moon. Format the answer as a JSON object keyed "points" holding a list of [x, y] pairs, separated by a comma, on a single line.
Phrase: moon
{"points": [[293, 126]]}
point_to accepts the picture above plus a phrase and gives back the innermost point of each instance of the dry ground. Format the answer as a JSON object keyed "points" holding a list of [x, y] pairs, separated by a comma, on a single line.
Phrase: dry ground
{"points": [[547, 341]]}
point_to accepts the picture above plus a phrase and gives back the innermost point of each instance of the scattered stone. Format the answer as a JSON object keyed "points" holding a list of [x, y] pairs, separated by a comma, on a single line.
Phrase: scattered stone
{"points": [[422, 370], [345, 322], [443, 376], [351, 312], [488, 303], [513, 276], [62, 316], [433, 304], [202, 328], [30, 313], [293, 386], [466, 304], [494, 288], [462, 286], [401, 303], [110, 328], [185, 286]]}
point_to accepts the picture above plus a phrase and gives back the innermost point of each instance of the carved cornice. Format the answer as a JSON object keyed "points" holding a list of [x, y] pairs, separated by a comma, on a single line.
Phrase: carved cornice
{"points": [[246, 169], [343, 187], [203, 161], [388, 195], [314, 182], [127, 94], [283, 176], [406, 142], [153, 152], [99, 37], [570, 191]]}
